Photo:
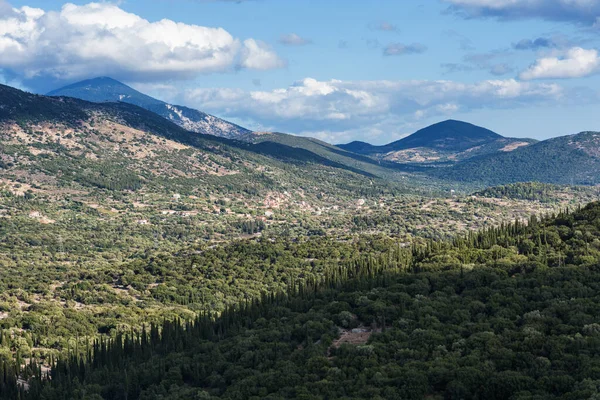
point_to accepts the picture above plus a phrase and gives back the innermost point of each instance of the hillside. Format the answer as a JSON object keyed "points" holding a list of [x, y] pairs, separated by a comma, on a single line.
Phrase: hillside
{"points": [[509, 313], [534, 191], [105, 89], [60, 117], [133, 165], [382, 169], [571, 159], [447, 141]]}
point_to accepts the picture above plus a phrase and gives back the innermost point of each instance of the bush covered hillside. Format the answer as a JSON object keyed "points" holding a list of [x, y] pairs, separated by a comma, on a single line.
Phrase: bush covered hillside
{"points": [[532, 191], [508, 313], [567, 160]]}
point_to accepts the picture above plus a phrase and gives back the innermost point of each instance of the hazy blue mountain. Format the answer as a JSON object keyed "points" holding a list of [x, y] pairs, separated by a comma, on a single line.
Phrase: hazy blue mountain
{"points": [[448, 135], [573, 159], [442, 142], [360, 147], [104, 89]]}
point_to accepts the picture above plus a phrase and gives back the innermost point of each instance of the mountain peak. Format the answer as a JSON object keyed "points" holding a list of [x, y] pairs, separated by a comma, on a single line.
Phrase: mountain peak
{"points": [[448, 140], [101, 80], [451, 135], [105, 89], [452, 128]]}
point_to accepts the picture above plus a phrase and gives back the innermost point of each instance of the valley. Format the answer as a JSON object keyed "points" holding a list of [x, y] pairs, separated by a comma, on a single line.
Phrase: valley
{"points": [[308, 200], [115, 219]]}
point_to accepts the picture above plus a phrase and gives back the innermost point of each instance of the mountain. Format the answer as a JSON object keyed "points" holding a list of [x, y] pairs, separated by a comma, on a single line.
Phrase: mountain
{"points": [[573, 159], [380, 168], [359, 147], [461, 152], [143, 261], [104, 89], [447, 141], [56, 145], [72, 142], [448, 135]]}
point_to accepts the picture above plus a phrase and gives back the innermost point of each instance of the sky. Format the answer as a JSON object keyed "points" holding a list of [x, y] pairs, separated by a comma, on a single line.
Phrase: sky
{"points": [[337, 70]]}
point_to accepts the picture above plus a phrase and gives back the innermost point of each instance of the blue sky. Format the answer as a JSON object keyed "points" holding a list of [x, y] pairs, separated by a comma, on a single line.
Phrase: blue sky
{"points": [[340, 71]]}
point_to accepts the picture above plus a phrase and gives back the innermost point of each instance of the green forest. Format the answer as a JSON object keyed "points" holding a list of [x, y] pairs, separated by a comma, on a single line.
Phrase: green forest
{"points": [[510, 312]]}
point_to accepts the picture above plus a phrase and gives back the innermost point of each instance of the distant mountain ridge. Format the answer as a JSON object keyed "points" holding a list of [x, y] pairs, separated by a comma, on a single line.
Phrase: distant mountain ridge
{"points": [[105, 89], [573, 159], [461, 152], [449, 140], [73, 132], [23, 113]]}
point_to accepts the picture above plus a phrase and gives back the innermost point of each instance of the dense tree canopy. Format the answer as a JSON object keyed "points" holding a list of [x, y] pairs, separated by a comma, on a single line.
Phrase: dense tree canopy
{"points": [[509, 313]]}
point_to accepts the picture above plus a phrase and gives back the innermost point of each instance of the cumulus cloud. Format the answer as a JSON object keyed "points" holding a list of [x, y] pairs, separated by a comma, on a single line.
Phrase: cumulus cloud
{"points": [[258, 55], [398, 49], [342, 109], [292, 39], [575, 63], [103, 39], [579, 11]]}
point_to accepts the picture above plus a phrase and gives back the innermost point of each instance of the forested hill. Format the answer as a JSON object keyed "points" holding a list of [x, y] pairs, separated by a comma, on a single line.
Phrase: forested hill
{"points": [[573, 159], [533, 191], [447, 135], [446, 141], [508, 313]]}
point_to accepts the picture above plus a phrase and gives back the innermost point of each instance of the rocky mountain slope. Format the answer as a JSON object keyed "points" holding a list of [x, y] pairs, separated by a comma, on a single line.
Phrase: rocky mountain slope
{"points": [[105, 89]]}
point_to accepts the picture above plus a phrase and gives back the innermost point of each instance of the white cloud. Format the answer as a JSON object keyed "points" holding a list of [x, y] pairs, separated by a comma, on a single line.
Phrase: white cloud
{"points": [[258, 55], [575, 63], [580, 11], [103, 39], [293, 39], [353, 109]]}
